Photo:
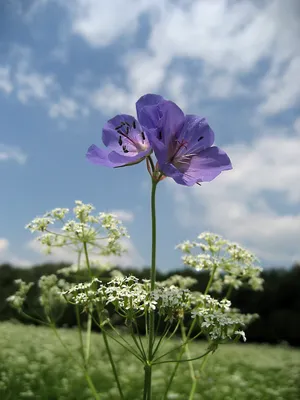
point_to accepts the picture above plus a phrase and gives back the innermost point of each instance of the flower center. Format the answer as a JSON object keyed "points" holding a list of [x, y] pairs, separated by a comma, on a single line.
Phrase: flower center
{"points": [[138, 139], [178, 147]]}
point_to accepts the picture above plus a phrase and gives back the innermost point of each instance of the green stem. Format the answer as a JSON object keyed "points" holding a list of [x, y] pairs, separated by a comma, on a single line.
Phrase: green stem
{"points": [[78, 315], [179, 360], [151, 337], [165, 395], [92, 387], [191, 367], [229, 291], [211, 279], [153, 253], [80, 333], [162, 338], [103, 332], [178, 347], [183, 361], [112, 364], [140, 340], [87, 377], [139, 344], [89, 321], [87, 259], [88, 337]]}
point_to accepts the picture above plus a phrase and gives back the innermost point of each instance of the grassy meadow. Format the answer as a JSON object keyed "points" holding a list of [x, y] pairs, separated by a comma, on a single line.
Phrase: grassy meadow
{"points": [[34, 365]]}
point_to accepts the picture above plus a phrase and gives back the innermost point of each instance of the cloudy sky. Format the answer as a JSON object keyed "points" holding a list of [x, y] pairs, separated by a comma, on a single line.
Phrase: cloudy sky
{"points": [[68, 66]]}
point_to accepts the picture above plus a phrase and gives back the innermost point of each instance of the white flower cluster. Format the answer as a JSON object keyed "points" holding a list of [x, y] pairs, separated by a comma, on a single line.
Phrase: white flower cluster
{"points": [[231, 265], [17, 300], [183, 282], [95, 265], [50, 294], [101, 232], [50, 298], [215, 319], [132, 298]]}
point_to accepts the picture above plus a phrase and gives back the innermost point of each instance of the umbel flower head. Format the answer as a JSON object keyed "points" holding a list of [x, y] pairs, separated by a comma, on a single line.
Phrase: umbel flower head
{"points": [[126, 139], [183, 144]]}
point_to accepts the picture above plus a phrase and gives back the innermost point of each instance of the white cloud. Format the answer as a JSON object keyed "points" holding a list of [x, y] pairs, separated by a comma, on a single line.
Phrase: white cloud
{"points": [[12, 153], [7, 257], [4, 243], [282, 89], [5, 80], [224, 40], [297, 126], [111, 99], [124, 215], [32, 85], [100, 22], [68, 108], [244, 204]]}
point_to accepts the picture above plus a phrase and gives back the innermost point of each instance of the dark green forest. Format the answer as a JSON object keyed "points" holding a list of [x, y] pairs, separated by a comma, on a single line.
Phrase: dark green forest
{"points": [[278, 305]]}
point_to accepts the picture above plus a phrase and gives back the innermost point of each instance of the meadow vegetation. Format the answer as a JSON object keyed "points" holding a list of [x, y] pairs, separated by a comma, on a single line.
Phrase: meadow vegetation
{"points": [[34, 365]]}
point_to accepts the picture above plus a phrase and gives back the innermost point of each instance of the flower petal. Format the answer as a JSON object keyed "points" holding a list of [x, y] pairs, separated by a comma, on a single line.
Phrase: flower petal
{"points": [[147, 100], [159, 148], [98, 156], [207, 165], [122, 159], [171, 122], [197, 133]]}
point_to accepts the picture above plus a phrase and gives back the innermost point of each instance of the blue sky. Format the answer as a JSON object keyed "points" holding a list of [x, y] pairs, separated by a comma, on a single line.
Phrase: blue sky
{"points": [[67, 67]]}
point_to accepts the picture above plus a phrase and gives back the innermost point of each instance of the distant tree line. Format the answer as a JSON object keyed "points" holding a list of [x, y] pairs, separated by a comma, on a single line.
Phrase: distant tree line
{"points": [[278, 305]]}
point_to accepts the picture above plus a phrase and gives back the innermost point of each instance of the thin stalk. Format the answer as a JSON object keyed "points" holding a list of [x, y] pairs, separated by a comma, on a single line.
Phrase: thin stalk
{"points": [[151, 337], [211, 279], [138, 345], [182, 361], [140, 340], [183, 348], [86, 375], [78, 315], [128, 345], [162, 337], [229, 291], [193, 389], [123, 345], [80, 333], [88, 337], [103, 332], [191, 367], [112, 364], [92, 387], [153, 253], [179, 360], [178, 347], [174, 331]]}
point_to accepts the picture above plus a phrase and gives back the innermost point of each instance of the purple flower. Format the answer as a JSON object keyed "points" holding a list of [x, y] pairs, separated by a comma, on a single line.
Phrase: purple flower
{"points": [[182, 143]]}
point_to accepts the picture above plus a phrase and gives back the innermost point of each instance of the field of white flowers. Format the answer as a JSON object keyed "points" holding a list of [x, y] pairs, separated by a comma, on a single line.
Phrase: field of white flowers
{"points": [[33, 365]]}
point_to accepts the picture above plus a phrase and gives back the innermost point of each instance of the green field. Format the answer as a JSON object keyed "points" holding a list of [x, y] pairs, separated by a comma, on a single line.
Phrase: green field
{"points": [[33, 365]]}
